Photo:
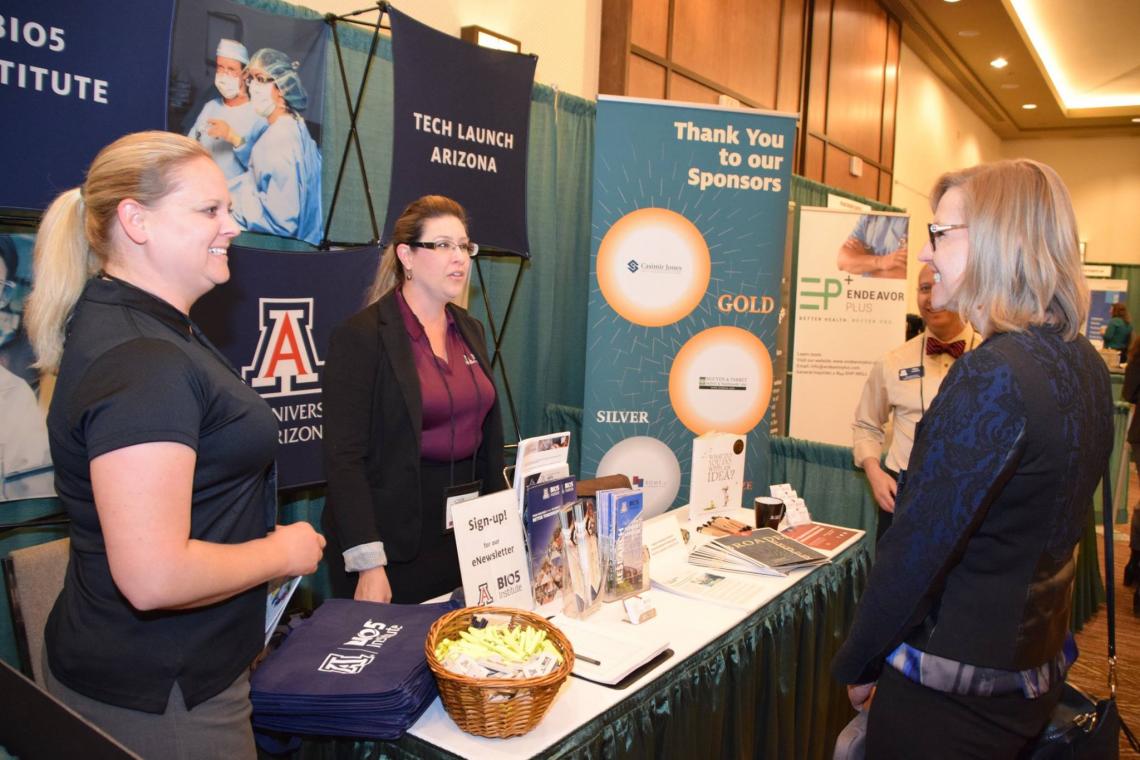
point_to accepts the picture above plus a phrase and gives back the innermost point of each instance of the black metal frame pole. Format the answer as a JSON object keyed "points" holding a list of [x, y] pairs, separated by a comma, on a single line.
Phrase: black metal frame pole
{"points": [[497, 332], [353, 140]]}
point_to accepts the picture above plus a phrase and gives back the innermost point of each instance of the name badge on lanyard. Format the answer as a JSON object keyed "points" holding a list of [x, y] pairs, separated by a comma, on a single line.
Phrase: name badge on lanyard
{"points": [[458, 494], [911, 373]]}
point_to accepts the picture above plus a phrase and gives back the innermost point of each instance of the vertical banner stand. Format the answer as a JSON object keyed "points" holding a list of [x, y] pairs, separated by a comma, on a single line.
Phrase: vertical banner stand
{"points": [[497, 332], [353, 140]]}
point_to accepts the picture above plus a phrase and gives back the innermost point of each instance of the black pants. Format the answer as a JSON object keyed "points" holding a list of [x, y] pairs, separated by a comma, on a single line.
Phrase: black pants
{"points": [[435, 568], [909, 720]]}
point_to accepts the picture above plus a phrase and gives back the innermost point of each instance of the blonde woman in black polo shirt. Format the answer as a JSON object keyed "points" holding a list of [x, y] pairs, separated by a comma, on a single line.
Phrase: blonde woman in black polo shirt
{"points": [[163, 458]]}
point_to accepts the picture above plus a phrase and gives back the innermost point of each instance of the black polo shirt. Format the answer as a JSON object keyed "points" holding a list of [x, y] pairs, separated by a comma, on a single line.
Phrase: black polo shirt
{"points": [[136, 370]]}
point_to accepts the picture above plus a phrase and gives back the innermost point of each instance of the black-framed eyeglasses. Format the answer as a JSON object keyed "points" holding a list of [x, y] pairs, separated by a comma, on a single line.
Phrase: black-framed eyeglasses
{"points": [[7, 292], [447, 246], [938, 230]]}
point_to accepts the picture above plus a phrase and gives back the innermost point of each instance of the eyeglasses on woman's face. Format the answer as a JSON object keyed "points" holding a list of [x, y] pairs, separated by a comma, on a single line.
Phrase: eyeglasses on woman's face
{"points": [[258, 77], [447, 246], [938, 230]]}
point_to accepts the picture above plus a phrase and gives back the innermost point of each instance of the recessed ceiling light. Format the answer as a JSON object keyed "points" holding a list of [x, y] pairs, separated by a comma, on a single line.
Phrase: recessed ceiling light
{"points": [[969, 33], [950, 1], [999, 63], [1029, 106], [1010, 86], [1136, 119]]}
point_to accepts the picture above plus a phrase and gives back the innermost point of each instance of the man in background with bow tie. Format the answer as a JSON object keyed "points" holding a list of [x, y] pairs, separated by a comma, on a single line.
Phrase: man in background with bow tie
{"points": [[899, 389]]}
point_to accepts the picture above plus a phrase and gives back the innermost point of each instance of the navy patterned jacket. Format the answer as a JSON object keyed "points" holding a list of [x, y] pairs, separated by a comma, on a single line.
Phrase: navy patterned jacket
{"points": [[978, 565]]}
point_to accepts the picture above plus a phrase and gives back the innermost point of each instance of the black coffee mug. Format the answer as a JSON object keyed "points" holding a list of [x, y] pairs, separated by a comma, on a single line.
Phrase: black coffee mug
{"points": [[769, 512]]}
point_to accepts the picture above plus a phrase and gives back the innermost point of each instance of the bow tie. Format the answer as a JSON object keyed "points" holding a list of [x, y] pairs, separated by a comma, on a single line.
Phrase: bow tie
{"points": [[934, 347]]}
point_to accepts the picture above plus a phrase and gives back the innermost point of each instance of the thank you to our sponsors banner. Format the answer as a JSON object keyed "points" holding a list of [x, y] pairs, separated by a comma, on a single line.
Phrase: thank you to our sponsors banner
{"points": [[689, 220], [461, 116], [273, 321], [75, 75], [850, 310]]}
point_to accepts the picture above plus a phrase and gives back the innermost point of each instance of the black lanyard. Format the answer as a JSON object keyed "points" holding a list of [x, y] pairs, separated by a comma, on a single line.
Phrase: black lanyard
{"points": [[451, 404]]}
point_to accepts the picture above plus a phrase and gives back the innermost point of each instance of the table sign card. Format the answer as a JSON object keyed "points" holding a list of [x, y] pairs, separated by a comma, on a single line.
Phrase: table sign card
{"points": [[492, 555]]}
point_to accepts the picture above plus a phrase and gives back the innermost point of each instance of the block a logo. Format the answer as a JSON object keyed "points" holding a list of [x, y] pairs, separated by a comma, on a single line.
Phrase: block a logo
{"points": [[346, 664], [285, 362]]}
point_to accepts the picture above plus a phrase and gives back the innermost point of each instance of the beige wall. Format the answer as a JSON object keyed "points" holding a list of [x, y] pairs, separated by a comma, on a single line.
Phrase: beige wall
{"points": [[936, 133], [566, 35], [1103, 175]]}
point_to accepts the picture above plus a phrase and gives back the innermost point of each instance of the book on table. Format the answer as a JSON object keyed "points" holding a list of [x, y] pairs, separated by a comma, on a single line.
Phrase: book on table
{"points": [[716, 482]]}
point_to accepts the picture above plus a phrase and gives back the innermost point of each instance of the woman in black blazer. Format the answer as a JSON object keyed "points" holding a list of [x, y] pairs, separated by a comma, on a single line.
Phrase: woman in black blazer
{"points": [[412, 420]]}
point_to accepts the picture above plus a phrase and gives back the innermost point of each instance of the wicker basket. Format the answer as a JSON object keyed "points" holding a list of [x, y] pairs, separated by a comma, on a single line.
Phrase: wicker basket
{"points": [[496, 707]]}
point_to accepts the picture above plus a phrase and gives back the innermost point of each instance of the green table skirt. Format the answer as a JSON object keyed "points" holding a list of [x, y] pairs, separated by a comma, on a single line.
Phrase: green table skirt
{"points": [[764, 689]]}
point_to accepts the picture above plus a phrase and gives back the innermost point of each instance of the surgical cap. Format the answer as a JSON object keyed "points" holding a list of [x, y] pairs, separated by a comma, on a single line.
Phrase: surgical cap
{"points": [[284, 72], [232, 49]]}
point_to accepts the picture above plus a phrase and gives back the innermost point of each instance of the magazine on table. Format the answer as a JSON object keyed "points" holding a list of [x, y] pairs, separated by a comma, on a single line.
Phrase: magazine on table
{"points": [[544, 540], [820, 535], [539, 460], [671, 572], [620, 540], [764, 551]]}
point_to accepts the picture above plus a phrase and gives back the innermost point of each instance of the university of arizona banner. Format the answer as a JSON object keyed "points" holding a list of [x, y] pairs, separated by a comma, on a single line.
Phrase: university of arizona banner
{"points": [[460, 124], [75, 75], [850, 310], [689, 219], [249, 86], [273, 321]]}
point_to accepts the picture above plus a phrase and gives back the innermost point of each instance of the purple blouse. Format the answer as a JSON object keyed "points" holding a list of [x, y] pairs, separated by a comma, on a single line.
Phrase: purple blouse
{"points": [[456, 393]]}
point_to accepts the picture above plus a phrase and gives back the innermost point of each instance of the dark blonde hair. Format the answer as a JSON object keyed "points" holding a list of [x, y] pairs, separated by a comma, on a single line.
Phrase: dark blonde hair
{"points": [[408, 228], [75, 237], [1024, 264]]}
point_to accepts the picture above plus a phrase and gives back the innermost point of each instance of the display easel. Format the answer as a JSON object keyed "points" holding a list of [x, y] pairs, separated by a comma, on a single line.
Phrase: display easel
{"points": [[352, 144]]}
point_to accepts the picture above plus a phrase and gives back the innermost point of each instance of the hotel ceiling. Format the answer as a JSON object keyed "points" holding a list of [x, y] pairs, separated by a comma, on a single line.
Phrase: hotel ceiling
{"points": [[1078, 63]]}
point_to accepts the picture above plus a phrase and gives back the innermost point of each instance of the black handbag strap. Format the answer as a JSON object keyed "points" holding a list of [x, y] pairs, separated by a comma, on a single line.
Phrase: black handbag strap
{"points": [[1109, 577]]}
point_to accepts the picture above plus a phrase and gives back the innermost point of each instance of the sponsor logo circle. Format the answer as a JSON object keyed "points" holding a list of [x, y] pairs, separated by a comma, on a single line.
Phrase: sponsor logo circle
{"points": [[721, 380], [653, 267], [647, 459]]}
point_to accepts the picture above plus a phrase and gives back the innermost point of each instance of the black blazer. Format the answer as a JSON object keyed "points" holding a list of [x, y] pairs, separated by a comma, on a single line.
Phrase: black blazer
{"points": [[373, 424]]}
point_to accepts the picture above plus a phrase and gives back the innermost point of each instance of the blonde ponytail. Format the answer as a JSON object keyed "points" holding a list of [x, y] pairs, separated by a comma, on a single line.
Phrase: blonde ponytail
{"points": [[63, 262]]}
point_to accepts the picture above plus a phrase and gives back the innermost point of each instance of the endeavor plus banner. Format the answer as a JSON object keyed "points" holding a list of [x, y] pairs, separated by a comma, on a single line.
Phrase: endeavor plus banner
{"points": [[273, 320], [850, 310], [689, 220], [75, 75], [460, 122]]}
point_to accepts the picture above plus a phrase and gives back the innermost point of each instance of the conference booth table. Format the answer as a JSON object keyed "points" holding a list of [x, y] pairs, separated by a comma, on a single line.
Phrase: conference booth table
{"points": [[740, 683], [758, 685]]}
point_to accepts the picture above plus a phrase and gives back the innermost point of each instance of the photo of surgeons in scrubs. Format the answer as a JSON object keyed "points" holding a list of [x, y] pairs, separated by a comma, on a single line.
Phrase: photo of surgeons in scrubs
{"points": [[256, 107], [25, 462]]}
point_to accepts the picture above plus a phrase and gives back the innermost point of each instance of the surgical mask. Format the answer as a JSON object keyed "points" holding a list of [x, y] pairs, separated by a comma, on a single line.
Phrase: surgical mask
{"points": [[261, 96], [228, 85]]}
